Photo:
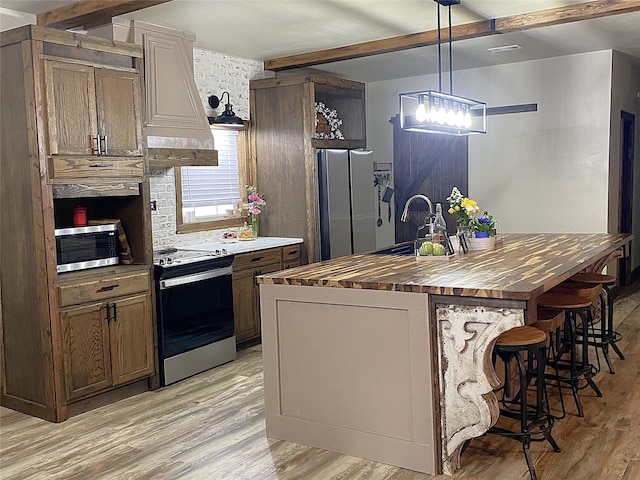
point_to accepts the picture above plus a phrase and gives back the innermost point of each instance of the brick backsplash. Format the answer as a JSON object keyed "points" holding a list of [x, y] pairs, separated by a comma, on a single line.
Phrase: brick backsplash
{"points": [[214, 73]]}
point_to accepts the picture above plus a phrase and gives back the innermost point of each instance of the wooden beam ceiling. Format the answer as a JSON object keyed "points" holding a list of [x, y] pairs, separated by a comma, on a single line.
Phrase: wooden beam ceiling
{"points": [[91, 13], [509, 24]]}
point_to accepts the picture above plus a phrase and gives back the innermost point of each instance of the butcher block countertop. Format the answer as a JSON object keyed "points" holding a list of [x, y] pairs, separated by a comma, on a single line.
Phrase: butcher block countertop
{"points": [[520, 268]]}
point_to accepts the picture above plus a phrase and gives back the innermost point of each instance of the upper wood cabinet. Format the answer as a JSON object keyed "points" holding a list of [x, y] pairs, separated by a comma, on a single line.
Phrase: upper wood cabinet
{"points": [[92, 110]]}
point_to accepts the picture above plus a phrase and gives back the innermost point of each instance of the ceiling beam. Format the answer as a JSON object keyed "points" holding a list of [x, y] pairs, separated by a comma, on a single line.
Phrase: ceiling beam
{"points": [[509, 24], [91, 13]]}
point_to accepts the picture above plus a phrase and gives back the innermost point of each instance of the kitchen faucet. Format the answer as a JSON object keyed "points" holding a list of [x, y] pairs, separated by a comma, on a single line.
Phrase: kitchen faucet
{"points": [[428, 220]]}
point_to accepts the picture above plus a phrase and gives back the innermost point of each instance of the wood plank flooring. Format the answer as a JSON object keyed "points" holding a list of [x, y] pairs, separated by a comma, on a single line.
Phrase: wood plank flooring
{"points": [[211, 426]]}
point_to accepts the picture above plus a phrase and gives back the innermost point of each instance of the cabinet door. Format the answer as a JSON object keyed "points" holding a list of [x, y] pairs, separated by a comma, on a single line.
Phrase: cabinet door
{"points": [[70, 99], [131, 336], [85, 344], [119, 112], [246, 320]]}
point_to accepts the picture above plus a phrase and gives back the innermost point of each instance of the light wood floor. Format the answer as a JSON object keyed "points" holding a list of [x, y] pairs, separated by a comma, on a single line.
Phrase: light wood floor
{"points": [[211, 426]]}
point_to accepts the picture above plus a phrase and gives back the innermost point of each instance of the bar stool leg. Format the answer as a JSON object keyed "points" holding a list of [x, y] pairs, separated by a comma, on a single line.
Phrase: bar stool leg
{"points": [[586, 321], [573, 366], [613, 336], [606, 326]]}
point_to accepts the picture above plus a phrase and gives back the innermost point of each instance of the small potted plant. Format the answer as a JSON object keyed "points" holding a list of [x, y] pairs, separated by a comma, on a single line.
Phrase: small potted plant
{"points": [[483, 226]]}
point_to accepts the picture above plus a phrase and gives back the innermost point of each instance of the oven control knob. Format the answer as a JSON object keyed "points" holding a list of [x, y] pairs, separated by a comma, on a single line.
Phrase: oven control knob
{"points": [[169, 260], [161, 262]]}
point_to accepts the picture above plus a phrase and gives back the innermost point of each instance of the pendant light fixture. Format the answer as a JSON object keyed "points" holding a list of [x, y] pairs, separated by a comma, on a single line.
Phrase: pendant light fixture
{"points": [[438, 112], [228, 118]]}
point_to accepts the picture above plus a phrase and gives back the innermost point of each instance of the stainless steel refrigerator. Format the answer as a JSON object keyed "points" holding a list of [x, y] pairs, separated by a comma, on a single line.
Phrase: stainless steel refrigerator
{"points": [[347, 207]]}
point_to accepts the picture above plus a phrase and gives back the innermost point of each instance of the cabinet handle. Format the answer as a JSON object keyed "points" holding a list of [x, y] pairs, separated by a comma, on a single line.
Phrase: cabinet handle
{"points": [[256, 259], [101, 165], [115, 313], [103, 145], [107, 316], [107, 288], [95, 145]]}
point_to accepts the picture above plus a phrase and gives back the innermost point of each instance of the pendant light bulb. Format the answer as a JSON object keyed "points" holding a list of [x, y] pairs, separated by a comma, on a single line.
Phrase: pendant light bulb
{"points": [[467, 120], [421, 111], [451, 115]]}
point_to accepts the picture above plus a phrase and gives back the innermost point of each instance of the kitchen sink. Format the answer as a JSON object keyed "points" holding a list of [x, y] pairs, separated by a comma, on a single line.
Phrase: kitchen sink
{"points": [[406, 248]]}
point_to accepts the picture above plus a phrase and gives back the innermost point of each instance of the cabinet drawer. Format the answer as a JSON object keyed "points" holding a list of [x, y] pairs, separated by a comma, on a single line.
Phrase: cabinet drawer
{"points": [[254, 259], [102, 288], [291, 253], [62, 168]]}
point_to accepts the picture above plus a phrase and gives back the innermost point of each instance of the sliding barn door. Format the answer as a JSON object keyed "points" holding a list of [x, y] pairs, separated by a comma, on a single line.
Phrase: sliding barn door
{"points": [[430, 164]]}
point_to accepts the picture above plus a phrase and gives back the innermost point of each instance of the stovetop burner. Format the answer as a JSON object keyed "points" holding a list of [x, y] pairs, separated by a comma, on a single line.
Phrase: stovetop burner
{"points": [[169, 257]]}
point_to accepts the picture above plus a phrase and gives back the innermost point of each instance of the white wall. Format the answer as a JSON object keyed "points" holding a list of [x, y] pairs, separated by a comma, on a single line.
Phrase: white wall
{"points": [[544, 171]]}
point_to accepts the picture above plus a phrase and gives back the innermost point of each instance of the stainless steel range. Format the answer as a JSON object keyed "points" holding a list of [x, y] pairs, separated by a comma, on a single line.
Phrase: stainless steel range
{"points": [[194, 300]]}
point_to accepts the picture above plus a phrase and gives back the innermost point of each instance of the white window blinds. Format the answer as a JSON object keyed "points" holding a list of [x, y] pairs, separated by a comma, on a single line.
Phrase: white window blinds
{"points": [[214, 186]]}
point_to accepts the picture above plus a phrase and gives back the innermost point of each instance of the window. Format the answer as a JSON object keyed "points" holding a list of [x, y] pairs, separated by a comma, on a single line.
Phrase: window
{"points": [[208, 197]]}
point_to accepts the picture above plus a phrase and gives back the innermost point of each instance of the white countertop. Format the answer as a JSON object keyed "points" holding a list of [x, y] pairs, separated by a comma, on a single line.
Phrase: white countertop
{"points": [[236, 247]]}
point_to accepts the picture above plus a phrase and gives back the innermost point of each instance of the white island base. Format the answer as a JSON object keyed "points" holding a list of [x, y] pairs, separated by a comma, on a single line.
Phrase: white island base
{"points": [[350, 371], [378, 375]]}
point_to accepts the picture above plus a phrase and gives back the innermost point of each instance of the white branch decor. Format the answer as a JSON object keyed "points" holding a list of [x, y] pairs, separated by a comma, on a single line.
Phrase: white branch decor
{"points": [[332, 118]]}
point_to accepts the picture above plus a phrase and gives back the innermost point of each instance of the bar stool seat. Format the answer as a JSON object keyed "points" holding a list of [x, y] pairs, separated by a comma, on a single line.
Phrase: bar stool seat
{"points": [[593, 278], [518, 344], [577, 310]]}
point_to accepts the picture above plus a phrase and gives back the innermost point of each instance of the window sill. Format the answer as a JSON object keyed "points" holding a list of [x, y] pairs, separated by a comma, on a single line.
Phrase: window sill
{"points": [[213, 225]]}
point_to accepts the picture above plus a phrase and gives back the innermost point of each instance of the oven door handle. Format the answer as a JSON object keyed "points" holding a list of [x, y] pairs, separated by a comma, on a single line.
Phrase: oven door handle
{"points": [[196, 277]]}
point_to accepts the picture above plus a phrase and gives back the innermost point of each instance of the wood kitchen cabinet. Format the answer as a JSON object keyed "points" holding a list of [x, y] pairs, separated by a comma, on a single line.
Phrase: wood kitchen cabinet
{"points": [[92, 110], [76, 340], [285, 143], [108, 343], [246, 294], [93, 122]]}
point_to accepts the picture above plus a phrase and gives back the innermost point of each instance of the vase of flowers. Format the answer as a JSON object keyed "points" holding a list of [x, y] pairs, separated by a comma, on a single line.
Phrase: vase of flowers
{"points": [[255, 204], [463, 209]]}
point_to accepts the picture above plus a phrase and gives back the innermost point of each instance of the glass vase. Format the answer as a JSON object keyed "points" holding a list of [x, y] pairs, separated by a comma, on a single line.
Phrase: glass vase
{"points": [[254, 225], [464, 229]]}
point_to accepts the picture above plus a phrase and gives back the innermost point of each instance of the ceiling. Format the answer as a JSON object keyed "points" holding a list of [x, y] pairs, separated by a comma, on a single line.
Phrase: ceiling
{"points": [[261, 30]]}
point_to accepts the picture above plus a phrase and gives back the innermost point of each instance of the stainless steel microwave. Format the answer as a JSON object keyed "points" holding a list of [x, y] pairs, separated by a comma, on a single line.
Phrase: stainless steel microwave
{"points": [[92, 246]]}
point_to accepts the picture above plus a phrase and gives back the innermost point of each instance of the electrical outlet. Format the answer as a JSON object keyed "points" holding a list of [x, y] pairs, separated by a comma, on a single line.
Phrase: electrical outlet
{"points": [[154, 206]]}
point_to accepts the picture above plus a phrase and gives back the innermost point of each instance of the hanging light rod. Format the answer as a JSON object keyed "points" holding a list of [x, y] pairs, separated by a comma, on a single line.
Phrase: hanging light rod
{"points": [[438, 112]]}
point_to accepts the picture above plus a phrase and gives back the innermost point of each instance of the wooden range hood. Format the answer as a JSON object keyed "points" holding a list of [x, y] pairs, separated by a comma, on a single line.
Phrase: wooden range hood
{"points": [[177, 128]]}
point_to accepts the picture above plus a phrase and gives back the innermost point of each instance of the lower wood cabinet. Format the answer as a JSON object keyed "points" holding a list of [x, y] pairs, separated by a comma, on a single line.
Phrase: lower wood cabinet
{"points": [[107, 340], [246, 293], [106, 344]]}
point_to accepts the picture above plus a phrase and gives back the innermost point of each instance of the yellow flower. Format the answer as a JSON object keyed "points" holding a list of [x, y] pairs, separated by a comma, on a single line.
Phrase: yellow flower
{"points": [[450, 210]]}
